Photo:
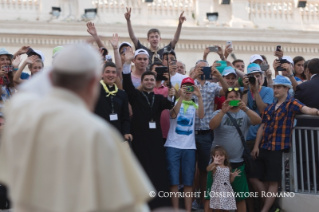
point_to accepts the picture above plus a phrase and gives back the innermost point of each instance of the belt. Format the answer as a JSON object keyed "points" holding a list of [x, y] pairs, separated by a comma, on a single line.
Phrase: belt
{"points": [[202, 132]]}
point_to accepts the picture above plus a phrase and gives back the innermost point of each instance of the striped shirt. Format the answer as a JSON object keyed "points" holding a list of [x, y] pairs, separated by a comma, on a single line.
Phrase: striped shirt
{"points": [[279, 124], [209, 90]]}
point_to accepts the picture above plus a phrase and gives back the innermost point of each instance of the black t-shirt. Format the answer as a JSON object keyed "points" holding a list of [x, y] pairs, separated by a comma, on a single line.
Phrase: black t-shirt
{"points": [[159, 54]]}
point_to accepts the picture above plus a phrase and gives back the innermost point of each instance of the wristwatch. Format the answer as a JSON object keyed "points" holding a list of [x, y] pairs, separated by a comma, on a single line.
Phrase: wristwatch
{"points": [[245, 91], [291, 75]]}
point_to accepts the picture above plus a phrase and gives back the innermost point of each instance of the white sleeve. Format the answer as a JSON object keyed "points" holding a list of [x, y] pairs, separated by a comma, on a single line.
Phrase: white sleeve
{"points": [[126, 69]]}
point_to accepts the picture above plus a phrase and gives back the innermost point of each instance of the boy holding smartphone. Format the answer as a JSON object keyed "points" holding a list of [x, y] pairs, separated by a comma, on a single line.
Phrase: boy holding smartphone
{"points": [[180, 144]]}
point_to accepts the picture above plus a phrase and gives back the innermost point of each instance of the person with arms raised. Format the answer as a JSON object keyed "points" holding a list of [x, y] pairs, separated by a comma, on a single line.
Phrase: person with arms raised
{"points": [[146, 129]]}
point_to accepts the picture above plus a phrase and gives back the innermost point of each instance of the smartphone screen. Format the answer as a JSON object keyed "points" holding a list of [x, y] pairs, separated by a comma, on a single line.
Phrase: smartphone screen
{"points": [[264, 67], [173, 62], [234, 102]]}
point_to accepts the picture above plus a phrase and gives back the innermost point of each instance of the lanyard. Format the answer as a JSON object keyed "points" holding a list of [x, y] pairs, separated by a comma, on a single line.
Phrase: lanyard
{"points": [[151, 105]]}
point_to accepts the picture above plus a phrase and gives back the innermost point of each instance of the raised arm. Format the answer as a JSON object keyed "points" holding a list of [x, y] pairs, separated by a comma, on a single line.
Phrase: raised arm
{"points": [[21, 51], [174, 112], [92, 31], [129, 26], [127, 80], [200, 111], [17, 75], [254, 117], [178, 30], [114, 42], [217, 74], [206, 52]]}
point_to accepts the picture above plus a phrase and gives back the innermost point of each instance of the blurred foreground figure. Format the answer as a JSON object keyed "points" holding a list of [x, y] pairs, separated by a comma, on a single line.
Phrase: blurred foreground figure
{"points": [[56, 156]]}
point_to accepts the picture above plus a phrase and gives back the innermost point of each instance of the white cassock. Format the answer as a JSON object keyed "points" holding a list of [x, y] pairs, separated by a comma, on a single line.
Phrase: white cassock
{"points": [[57, 156]]}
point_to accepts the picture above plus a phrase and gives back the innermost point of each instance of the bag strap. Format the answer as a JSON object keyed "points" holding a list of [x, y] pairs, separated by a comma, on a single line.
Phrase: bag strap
{"points": [[242, 138]]}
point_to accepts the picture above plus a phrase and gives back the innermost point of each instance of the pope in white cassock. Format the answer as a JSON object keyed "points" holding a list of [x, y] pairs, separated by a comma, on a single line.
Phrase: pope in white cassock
{"points": [[56, 156]]}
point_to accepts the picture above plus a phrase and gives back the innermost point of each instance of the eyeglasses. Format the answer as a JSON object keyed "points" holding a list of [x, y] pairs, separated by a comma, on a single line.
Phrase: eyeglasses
{"points": [[233, 89]]}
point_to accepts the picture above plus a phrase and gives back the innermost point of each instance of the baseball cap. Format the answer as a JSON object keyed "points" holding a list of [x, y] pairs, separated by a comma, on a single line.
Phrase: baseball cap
{"points": [[125, 44], [170, 52], [3, 51], [255, 57], [289, 59], [77, 59], [281, 80], [56, 50], [253, 68], [229, 70], [36, 52], [141, 51], [188, 80]]}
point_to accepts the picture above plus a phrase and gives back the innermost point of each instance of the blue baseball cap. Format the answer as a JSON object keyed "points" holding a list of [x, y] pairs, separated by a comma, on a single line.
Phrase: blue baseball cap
{"points": [[281, 80], [253, 68], [3, 51], [229, 70]]}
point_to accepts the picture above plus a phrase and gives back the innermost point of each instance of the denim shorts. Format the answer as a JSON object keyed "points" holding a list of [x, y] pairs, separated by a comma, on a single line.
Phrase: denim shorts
{"points": [[180, 161]]}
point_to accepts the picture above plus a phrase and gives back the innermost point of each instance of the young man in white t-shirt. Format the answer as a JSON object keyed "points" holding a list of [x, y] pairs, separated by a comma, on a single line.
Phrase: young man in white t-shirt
{"points": [[180, 143]]}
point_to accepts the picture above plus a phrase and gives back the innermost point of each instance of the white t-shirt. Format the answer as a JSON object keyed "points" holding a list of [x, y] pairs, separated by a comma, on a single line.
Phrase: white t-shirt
{"points": [[181, 133], [176, 80]]}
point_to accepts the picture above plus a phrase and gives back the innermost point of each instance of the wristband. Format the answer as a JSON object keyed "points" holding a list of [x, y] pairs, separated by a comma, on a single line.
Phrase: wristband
{"points": [[16, 69], [291, 75], [247, 108], [245, 91]]}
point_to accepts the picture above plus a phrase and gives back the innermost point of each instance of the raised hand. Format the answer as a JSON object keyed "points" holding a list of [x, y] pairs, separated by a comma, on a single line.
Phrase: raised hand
{"points": [[183, 91], [115, 41], [23, 50], [182, 18], [226, 107], [228, 50], [215, 72], [196, 91], [242, 105], [215, 161], [16, 62], [31, 59], [236, 173], [129, 55], [91, 29], [279, 54], [127, 15]]}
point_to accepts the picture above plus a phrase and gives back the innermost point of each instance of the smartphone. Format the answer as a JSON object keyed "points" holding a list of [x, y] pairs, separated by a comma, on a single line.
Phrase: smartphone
{"points": [[213, 49], [207, 73], [278, 48], [189, 89], [234, 102], [160, 73], [29, 52], [229, 43], [8, 69], [264, 67]]}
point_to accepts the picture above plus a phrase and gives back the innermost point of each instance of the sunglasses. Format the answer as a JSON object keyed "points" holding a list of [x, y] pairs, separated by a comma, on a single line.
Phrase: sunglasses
{"points": [[233, 89]]}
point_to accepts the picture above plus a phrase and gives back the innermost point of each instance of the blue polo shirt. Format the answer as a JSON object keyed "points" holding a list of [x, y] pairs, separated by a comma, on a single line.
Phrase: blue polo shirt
{"points": [[267, 95]]}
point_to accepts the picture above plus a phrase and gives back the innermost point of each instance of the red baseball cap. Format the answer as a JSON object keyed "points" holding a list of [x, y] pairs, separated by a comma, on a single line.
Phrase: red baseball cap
{"points": [[188, 80]]}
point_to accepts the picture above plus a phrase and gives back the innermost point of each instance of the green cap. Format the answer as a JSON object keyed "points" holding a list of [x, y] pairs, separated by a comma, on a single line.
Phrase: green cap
{"points": [[56, 50]]}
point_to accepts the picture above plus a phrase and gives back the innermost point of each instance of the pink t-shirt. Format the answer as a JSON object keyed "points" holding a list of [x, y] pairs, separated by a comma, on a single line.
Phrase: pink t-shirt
{"points": [[162, 90]]}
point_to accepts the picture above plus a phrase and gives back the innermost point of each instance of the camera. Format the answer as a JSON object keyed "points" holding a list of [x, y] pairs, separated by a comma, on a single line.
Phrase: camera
{"points": [[282, 61], [252, 79]]}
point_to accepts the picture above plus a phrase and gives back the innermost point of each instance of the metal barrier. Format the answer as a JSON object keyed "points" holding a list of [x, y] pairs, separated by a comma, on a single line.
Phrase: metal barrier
{"points": [[300, 165]]}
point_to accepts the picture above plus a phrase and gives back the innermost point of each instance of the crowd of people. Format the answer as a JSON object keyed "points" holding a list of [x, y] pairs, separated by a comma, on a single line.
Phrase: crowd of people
{"points": [[223, 128]]}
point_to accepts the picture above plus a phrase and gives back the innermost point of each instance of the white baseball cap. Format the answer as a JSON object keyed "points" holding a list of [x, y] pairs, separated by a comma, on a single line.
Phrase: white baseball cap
{"points": [[141, 51], [77, 59], [124, 43], [255, 57], [289, 59]]}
